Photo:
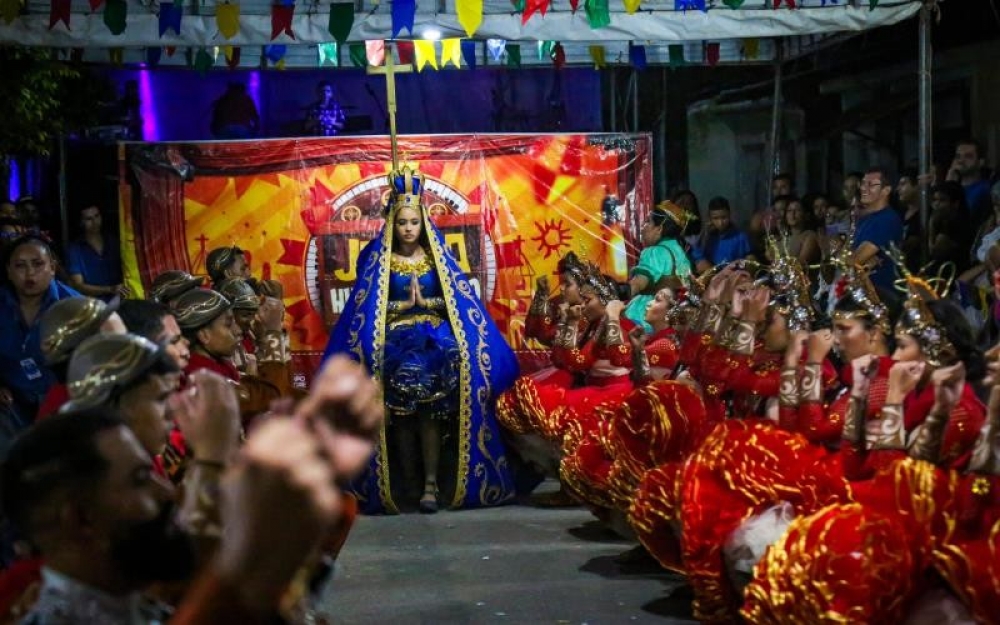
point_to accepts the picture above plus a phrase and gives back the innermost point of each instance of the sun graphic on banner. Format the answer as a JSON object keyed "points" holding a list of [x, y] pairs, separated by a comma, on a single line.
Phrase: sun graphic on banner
{"points": [[552, 236]]}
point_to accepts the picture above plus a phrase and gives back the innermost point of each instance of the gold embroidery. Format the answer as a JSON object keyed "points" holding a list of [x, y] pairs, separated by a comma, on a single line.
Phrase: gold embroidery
{"points": [[812, 386], [788, 392], [742, 341], [887, 432], [408, 266]]}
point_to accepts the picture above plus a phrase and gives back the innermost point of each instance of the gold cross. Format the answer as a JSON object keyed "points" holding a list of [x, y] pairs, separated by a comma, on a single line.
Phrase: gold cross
{"points": [[390, 69]]}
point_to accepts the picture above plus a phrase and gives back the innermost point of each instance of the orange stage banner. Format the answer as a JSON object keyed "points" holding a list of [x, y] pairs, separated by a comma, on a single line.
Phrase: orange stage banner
{"points": [[302, 209]]}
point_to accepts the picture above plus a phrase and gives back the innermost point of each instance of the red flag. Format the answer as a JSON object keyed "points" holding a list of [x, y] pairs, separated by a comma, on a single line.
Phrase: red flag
{"points": [[281, 20], [574, 4], [170, 50], [405, 52], [95, 4], [712, 53], [59, 12], [533, 6], [558, 56], [788, 3]]}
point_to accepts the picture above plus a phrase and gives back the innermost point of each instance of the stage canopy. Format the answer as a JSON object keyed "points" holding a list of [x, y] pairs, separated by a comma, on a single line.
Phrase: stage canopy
{"points": [[596, 32]]}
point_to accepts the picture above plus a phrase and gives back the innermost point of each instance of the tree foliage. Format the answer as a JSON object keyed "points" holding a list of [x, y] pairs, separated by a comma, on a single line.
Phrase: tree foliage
{"points": [[42, 98]]}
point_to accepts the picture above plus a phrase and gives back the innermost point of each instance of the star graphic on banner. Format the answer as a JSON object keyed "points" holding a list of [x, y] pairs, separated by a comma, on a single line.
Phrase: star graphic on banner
{"points": [[552, 237]]}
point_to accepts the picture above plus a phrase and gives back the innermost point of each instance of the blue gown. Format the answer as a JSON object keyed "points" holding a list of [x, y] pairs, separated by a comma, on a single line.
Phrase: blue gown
{"points": [[450, 361]]}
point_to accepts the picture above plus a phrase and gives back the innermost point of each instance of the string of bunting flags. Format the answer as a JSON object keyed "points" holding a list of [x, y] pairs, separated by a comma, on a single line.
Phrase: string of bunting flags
{"points": [[230, 25]]}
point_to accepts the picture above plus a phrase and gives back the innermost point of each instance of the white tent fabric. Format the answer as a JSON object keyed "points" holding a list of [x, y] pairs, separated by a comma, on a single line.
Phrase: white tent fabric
{"points": [[645, 26]]}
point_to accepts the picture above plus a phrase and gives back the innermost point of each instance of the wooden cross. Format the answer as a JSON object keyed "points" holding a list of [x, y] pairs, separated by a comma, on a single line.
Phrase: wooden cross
{"points": [[390, 69]]}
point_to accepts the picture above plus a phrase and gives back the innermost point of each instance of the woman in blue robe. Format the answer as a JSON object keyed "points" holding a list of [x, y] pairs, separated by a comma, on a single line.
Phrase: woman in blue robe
{"points": [[415, 322]]}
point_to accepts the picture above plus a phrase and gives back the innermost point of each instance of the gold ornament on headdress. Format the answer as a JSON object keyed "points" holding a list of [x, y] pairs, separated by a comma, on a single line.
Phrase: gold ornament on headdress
{"points": [[917, 319], [604, 286], [790, 286], [858, 286]]}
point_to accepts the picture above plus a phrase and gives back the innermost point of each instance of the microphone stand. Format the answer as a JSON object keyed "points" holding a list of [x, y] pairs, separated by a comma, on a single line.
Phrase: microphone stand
{"points": [[378, 104]]}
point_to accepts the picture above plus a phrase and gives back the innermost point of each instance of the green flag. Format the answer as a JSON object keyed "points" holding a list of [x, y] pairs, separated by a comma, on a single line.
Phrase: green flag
{"points": [[359, 58], [513, 55], [115, 15], [341, 20], [597, 13]]}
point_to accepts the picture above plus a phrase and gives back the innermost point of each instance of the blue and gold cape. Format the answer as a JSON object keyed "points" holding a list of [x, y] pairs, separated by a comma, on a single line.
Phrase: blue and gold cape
{"points": [[488, 367]]}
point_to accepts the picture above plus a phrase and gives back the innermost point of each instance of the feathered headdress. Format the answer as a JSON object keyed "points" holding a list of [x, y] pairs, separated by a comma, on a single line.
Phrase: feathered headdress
{"points": [[917, 319]]}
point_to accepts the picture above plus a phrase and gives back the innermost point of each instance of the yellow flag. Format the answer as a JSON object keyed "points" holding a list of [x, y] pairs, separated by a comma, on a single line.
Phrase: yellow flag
{"points": [[280, 64], [751, 47], [631, 6], [227, 18], [451, 52], [116, 55], [425, 53], [597, 55], [470, 14], [229, 53]]}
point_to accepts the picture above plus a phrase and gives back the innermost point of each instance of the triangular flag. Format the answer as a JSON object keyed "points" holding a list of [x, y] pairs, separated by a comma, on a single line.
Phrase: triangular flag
{"points": [[558, 56], [751, 47], [153, 56], [95, 4], [375, 52], [469, 53], [116, 55], [574, 4], [597, 13], [281, 20], [712, 53], [533, 6], [676, 54], [733, 4], [170, 18], [203, 61], [341, 20], [357, 54], [637, 56], [425, 53], [872, 4], [518, 5], [513, 55], [597, 55], [116, 16], [170, 50], [227, 19], [233, 55], [788, 3], [451, 52], [631, 6], [545, 49], [470, 15], [59, 12], [403, 13], [496, 47], [405, 51], [275, 52], [327, 52]]}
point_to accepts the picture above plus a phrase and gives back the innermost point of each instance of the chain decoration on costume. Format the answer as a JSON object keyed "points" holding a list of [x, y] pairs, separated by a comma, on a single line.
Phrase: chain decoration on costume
{"points": [[411, 267], [887, 432], [812, 382]]}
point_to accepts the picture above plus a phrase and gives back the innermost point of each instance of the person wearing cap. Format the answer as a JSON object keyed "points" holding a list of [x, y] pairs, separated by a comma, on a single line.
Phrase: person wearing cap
{"points": [[171, 284], [663, 262], [64, 327], [224, 263], [206, 319], [263, 351], [31, 289]]}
